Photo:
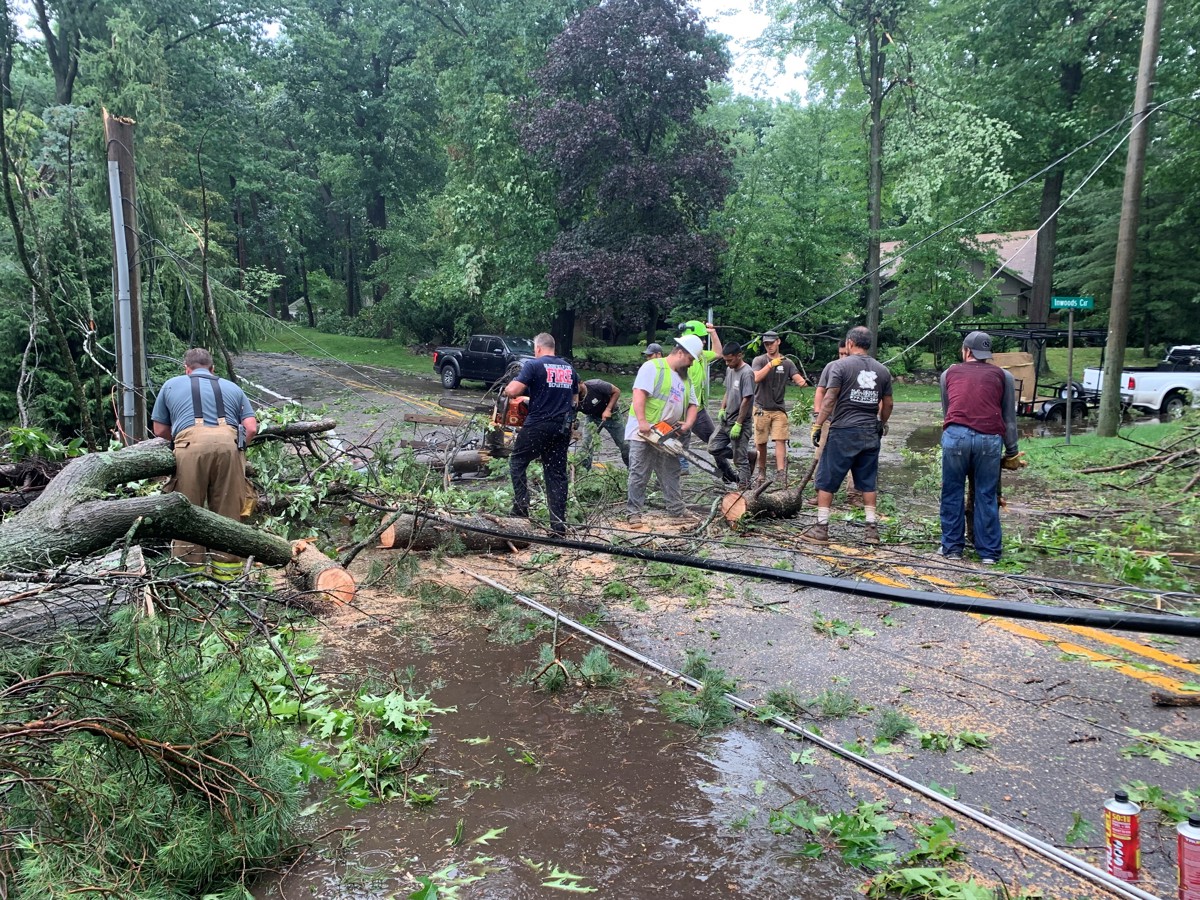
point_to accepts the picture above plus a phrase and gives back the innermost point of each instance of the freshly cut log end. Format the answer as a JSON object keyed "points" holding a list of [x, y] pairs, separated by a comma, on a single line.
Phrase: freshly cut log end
{"points": [[322, 574], [387, 537], [733, 506]]}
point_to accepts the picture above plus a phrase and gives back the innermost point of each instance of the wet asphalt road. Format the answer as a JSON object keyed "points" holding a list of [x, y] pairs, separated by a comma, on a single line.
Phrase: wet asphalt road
{"points": [[1058, 706]]}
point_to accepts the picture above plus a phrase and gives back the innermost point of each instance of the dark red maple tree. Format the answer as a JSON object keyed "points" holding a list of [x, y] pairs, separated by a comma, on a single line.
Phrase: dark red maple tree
{"points": [[615, 119]]}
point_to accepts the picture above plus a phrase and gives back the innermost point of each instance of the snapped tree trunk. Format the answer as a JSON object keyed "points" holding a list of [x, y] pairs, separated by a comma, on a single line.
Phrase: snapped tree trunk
{"points": [[415, 531], [72, 519]]}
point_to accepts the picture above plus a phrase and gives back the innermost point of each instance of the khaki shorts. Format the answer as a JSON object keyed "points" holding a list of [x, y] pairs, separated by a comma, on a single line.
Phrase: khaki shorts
{"points": [[770, 425]]}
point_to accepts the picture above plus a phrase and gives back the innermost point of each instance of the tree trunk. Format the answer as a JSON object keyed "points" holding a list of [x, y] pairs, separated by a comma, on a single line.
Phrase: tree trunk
{"points": [[308, 307], [416, 532], [563, 329], [1047, 242], [875, 92], [758, 504], [68, 522]]}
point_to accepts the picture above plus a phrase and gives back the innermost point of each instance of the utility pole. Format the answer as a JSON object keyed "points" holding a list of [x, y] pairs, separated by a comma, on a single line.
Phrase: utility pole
{"points": [[127, 294], [1135, 168]]}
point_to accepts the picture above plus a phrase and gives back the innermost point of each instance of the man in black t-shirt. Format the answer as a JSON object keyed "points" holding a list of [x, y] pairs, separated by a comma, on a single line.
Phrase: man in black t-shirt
{"points": [[857, 405], [601, 413], [553, 389]]}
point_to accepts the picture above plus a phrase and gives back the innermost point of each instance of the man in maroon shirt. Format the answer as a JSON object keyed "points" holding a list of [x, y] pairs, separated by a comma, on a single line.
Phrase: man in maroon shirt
{"points": [[979, 437]]}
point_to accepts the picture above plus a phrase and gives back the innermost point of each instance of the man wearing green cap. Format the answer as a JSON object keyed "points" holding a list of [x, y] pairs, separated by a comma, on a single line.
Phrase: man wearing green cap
{"points": [[697, 379]]}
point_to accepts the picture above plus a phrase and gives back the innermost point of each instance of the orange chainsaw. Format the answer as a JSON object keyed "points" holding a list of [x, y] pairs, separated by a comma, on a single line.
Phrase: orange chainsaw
{"points": [[667, 438]]}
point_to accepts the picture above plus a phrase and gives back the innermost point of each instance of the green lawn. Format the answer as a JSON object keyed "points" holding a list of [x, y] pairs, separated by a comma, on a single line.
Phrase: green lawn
{"points": [[1085, 357], [355, 350]]}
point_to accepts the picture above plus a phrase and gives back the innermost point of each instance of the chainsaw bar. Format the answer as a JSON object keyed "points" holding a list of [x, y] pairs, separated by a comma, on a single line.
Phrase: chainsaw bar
{"points": [[669, 442]]}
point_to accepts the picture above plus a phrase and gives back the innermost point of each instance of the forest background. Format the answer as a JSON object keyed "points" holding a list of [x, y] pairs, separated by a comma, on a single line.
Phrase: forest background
{"points": [[422, 169]]}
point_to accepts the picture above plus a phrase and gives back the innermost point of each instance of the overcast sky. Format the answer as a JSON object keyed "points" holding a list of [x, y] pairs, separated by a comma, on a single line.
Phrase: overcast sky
{"points": [[751, 73]]}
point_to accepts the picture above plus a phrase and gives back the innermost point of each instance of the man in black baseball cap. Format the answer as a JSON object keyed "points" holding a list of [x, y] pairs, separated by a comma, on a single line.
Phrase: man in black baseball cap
{"points": [[979, 437]]}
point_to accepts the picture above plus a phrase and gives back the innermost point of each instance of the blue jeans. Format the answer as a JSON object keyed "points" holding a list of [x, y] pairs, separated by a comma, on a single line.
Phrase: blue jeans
{"points": [[969, 453], [590, 439]]}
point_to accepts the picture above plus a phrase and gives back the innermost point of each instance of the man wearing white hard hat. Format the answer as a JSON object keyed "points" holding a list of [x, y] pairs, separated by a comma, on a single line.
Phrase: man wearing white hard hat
{"points": [[660, 394]]}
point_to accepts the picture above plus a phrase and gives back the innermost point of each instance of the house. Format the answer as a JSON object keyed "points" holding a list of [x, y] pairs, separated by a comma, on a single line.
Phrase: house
{"points": [[1015, 251]]}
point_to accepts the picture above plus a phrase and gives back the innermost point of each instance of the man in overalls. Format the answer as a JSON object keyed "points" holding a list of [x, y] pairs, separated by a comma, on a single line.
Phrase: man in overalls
{"points": [[209, 420]]}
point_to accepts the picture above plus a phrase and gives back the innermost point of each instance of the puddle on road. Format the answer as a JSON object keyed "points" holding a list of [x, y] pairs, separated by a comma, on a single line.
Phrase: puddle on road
{"points": [[596, 783]]}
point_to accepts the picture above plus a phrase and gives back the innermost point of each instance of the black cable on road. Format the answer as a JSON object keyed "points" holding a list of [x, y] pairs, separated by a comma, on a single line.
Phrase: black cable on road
{"points": [[1142, 623]]}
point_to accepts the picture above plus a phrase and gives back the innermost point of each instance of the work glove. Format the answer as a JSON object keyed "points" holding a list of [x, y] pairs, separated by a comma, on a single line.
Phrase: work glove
{"points": [[777, 361], [816, 436], [721, 414], [881, 428], [1015, 462], [736, 431]]}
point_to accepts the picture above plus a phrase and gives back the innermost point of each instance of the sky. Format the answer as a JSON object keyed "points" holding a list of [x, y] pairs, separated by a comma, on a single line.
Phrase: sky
{"points": [[751, 73]]}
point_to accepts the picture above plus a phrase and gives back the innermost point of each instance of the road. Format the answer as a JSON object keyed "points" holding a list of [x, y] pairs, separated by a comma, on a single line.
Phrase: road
{"points": [[1063, 714]]}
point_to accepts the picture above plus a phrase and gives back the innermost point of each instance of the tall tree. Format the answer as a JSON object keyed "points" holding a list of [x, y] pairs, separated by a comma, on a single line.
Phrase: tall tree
{"points": [[1056, 71], [855, 44], [616, 119]]}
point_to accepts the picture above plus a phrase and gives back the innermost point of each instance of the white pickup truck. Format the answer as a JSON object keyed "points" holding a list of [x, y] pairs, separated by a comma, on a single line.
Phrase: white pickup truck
{"points": [[1163, 390]]}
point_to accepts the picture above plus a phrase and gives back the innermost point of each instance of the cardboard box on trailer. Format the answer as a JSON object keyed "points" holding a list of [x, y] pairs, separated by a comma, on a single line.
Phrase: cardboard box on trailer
{"points": [[1023, 371]]}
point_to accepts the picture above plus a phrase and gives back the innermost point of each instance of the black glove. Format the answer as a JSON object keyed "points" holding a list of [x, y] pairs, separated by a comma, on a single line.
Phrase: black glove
{"points": [[881, 428], [816, 436]]}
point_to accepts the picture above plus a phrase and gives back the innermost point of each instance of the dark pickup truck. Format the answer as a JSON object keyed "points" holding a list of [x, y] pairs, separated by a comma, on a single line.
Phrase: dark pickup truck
{"points": [[486, 358]]}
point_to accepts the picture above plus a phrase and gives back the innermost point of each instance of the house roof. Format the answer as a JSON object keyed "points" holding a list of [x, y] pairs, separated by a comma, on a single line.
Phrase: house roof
{"points": [[1015, 249]]}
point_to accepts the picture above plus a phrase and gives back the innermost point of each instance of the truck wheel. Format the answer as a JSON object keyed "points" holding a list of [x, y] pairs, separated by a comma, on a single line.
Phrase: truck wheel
{"points": [[1173, 405], [450, 377]]}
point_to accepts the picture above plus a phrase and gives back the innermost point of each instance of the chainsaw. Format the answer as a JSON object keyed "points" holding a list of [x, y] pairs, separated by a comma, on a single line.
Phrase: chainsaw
{"points": [[667, 438]]}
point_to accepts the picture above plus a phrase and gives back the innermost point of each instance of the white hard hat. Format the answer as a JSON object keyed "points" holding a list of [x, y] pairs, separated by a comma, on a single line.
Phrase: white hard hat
{"points": [[691, 344]]}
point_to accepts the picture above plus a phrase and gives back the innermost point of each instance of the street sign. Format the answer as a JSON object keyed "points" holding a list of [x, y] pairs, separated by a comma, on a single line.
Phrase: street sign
{"points": [[1072, 302]]}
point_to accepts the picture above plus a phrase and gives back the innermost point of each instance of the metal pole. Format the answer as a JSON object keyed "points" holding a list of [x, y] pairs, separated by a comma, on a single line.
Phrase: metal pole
{"points": [[1135, 167], [124, 314], [1070, 368]]}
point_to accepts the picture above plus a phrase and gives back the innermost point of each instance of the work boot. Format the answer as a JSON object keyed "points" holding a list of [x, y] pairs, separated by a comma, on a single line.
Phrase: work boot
{"points": [[871, 534], [816, 534]]}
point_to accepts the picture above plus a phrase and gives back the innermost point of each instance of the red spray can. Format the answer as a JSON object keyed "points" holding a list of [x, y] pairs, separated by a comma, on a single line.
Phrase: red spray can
{"points": [[1189, 858], [1122, 849]]}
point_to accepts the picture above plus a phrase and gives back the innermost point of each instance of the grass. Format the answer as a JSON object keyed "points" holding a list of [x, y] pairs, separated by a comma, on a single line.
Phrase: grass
{"points": [[359, 351], [1053, 460], [1085, 357]]}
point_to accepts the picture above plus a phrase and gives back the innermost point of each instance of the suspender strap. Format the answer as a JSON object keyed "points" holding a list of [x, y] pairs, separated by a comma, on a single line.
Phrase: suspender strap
{"points": [[198, 408]]}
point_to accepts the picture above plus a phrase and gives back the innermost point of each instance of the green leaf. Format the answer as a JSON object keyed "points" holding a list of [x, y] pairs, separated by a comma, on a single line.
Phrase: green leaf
{"points": [[488, 836], [427, 891]]}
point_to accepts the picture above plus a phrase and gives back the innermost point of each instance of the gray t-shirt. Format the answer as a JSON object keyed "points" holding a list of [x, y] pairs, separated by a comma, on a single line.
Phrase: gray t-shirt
{"points": [[173, 406], [861, 383], [738, 385], [769, 393]]}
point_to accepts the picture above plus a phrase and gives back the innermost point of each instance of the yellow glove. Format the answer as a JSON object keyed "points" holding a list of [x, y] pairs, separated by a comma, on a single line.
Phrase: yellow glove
{"points": [[777, 361], [1015, 462]]}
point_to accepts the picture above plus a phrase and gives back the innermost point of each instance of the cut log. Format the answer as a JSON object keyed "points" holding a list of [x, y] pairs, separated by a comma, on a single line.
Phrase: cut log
{"points": [[463, 462], [417, 532], [294, 430], [70, 520], [784, 504]]}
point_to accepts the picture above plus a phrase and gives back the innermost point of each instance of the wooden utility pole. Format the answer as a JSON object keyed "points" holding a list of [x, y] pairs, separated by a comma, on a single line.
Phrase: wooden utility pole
{"points": [[127, 294], [1135, 167]]}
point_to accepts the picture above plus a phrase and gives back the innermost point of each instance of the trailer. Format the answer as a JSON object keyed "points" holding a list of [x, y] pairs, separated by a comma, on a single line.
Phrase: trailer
{"points": [[1035, 399]]}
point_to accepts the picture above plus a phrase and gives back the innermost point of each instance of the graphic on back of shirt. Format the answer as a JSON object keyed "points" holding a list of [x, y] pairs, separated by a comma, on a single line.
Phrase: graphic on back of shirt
{"points": [[864, 390]]}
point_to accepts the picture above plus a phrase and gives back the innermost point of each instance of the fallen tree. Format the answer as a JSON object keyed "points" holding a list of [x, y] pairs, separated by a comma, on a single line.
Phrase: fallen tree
{"points": [[412, 530], [76, 516]]}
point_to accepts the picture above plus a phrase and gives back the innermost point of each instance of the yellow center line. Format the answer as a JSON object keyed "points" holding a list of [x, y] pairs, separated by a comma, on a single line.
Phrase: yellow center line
{"points": [[1161, 681], [416, 401], [1095, 634], [1169, 659]]}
